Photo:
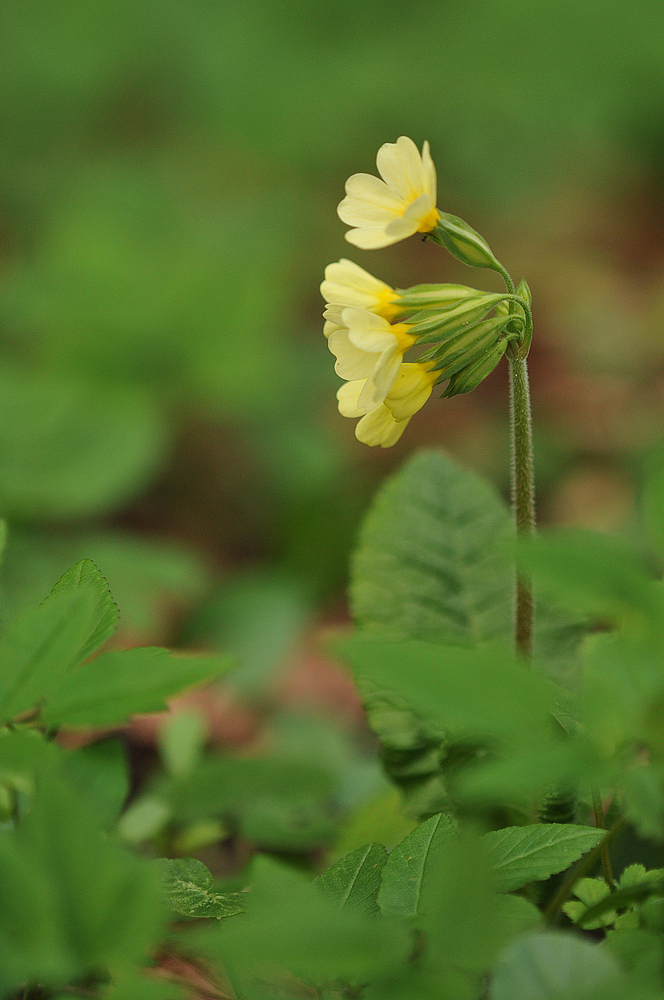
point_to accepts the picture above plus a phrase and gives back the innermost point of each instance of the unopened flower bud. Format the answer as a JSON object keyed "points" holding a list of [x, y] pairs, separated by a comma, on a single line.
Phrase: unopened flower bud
{"points": [[469, 378], [463, 242]]}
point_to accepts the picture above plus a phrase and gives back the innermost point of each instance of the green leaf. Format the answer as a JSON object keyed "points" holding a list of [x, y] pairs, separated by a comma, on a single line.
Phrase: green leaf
{"points": [[189, 890], [464, 919], [598, 575], [71, 902], [522, 854], [118, 684], [550, 966], [430, 563], [407, 866], [291, 924], [38, 649], [480, 692], [354, 881], [100, 773], [85, 576]]}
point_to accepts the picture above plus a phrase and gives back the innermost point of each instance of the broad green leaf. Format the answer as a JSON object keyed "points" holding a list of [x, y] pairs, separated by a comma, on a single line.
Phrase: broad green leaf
{"points": [[550, 966], [189, 890], [407, 866], [71, 902], [85, 576], [597, 575], [100, 773], [38, 649], [479, 693], [464, 919], [354, 881], [291, 924], [41, 647], [522, 854], [430, 562], [116, 685]]}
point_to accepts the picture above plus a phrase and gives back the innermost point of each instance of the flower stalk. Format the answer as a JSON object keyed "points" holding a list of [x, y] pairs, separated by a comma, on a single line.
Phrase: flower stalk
{"points": [[523, 488]]}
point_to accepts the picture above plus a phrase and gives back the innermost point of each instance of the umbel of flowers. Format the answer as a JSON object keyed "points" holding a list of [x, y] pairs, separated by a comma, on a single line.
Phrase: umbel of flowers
{"points": [[459, 333]]}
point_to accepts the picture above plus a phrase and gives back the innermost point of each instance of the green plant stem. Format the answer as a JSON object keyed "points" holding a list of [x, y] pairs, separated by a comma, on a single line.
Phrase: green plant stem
{"points": [[523, 488], [585, 865], [607, 871]]}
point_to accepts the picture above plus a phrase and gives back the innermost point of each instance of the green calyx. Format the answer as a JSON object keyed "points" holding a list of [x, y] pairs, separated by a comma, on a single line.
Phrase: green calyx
{"points": [[441, 296], [469, 377], [464, 243], [433, 324], [467, 347]]}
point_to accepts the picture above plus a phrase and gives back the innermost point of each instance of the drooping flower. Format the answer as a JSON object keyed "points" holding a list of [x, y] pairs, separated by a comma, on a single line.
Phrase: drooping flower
{"points": [[348, 284], [401, 204], [385, 423], [367, 347]]}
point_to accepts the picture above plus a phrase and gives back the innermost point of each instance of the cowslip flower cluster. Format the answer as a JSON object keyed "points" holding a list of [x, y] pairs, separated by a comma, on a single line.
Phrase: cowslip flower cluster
{"points": [[370, 326]]}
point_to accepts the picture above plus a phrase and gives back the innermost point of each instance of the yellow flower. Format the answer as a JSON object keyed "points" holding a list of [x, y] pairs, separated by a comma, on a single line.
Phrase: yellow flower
{"points": [[348, 284], [385, 423], [402, 203], [367, 347]]}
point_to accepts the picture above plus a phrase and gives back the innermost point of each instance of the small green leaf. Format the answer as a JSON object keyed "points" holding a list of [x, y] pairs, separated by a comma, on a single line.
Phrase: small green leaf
{"points": [[354, 881], [85, 576], [189, 890], [430, 563], [522, 854], [38, 649], [119, 684], [406, 868]]}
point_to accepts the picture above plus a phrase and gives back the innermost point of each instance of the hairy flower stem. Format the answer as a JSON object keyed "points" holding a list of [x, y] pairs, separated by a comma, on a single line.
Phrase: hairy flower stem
{"points": [[523, 489]]}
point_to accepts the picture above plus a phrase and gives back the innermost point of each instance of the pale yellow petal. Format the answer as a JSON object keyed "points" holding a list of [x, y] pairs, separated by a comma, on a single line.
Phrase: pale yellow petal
{"points": [[351, 362], [368, 331], [347, 283], [410, 391], [400, 164], [430, 182], [330, 327], [373, 238], [380, 428], [385, 372], [373, 191], [333, 312], [401, 229], [348, 395]]}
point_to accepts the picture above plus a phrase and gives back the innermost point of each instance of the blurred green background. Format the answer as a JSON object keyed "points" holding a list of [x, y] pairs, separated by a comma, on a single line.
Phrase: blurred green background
{"points": [[169, 175]]}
